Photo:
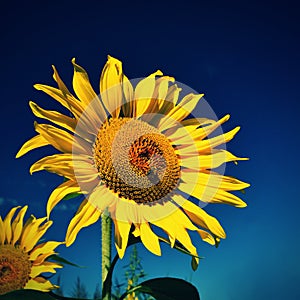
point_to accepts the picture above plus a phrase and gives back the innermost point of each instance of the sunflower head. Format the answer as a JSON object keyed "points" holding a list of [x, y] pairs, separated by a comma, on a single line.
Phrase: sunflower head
{"points": [[22, 261], [137, 152]]}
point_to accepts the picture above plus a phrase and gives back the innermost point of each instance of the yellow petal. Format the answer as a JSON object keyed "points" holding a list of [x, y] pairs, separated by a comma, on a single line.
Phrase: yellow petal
{"points": [[183, 237], [128, 107], [205, 236], [59, 139], [181, 134], [60, 83], [53, 116], [67, 165], [17, 225], [102, 198], [209, 144], [186, 106], [229, 183], [149, 239], [212, 188], [40, 284], [7, 224], [213, 179], [44, 248], [35, 234], [191, 133], [60, 192], [136, 232], [82, 85], [143, 94], [86, 215], [42, 258], [27, 225], [121, 232], [162, 89], [30, 232], [73, 105], [60, 164], [111, 86], [180, 111], [217, 158], [152, 114], [35, 142], [2, 232], [47, 266], [127, 211], [170, 99], [224, 197], [199, 216], [205, 146], [176, 229], [203, 132], [174, 216]]}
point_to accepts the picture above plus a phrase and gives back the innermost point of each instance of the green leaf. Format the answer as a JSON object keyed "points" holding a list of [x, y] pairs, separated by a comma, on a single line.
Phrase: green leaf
{"points": [[26, 295], [62, 260], [166, 289], [71, 196]]}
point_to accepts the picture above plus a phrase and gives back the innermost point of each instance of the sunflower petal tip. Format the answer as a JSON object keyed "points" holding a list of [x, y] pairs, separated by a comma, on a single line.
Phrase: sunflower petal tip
{"points": [[109, 58], [120, 251], [19, 154], [68, 242], [226, 117], [242, 204]]}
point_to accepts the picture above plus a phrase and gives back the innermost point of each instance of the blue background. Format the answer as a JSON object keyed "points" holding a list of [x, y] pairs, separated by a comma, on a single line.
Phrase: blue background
{"points": [[243, 55]]}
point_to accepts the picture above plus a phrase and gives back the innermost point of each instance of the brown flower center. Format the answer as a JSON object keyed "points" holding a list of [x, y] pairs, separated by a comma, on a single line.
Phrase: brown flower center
{"points": [[135, 160], [15, 268]]}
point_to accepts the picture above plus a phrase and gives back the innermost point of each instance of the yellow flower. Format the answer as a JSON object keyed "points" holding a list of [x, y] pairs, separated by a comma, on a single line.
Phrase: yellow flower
{"points": [[136, 153], [21, 260]]}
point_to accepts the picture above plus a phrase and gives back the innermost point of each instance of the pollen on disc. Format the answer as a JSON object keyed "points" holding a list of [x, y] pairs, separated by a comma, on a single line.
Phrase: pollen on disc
{"points": [[135, 160], [15, 268]]}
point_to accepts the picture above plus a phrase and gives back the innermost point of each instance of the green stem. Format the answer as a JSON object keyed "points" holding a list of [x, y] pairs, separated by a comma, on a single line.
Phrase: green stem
{"points": [[106, 253]]}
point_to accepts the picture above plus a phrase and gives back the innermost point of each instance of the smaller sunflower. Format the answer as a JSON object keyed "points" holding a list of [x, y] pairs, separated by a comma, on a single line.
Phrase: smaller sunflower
{"points": [[21, 260]]}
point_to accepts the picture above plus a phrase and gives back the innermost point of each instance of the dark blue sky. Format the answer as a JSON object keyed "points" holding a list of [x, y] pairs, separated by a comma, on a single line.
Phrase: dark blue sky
{"points": [[243, 56]]}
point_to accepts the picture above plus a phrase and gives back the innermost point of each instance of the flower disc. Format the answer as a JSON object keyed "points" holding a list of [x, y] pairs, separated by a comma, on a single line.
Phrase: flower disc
{"points": [[135, 161], [15, 268]]}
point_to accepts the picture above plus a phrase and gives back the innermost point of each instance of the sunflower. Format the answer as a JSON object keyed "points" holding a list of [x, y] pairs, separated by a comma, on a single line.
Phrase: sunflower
{"points": [[138, 154], [21, 260]]}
